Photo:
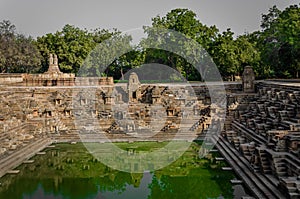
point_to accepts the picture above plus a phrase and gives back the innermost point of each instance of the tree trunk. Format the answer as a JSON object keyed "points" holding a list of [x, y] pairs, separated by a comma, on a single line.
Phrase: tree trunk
{"points": [[122, 74]]}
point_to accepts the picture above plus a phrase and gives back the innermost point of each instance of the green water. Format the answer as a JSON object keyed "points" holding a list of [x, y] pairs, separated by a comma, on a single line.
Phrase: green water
{"points": [[70, 172]]}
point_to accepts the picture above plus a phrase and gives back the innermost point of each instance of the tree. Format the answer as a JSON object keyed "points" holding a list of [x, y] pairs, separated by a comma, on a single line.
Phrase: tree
{"points": [[18, 54], [279, 41], [223, 51], [247, 54], [229, 54], [183, 21], [289, 36], [72, 45], [108, 57], [128, 61], [261, 69]]}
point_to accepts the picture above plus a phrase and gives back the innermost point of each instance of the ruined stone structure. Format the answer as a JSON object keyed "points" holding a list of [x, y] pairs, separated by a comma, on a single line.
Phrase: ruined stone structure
{"points": [[61, 107], [262, 127], [248, 79], [265, 129], [52, 77]]}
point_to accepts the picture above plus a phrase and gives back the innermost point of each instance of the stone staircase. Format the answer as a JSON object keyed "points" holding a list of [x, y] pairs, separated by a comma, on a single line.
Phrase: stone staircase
{"points": [[279, 166], [264, 161]]}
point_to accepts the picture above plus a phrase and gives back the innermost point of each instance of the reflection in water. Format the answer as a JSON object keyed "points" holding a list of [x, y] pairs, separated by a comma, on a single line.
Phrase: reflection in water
{"points": [[129, 192], [132, 192], [69, 172], [40, 193]]}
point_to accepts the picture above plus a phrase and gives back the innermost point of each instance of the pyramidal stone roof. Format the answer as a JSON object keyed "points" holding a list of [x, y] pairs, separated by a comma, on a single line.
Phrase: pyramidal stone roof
{"points": [[53, 64]]}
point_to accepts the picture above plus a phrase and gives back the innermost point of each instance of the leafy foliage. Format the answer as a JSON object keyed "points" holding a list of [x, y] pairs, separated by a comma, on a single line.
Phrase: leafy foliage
{"points": [[17, 52], [108, 57], [274, 51], [229, 54], [279, 42], [72, 45]]}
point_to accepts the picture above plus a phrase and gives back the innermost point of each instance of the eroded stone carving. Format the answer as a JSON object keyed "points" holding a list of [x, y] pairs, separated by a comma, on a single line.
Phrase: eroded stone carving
{"points": [[248, 79]]}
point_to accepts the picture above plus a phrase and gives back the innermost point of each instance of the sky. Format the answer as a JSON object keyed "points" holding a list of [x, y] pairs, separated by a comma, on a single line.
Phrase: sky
{"points": [[39, 17]]}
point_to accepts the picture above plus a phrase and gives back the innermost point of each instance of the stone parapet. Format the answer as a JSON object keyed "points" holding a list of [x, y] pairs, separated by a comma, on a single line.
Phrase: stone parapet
{"points": [[94, 81], [9, 78]]}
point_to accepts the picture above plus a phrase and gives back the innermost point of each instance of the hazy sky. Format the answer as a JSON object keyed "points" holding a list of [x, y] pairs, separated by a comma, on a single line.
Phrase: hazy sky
{"points": [[38, 17]]}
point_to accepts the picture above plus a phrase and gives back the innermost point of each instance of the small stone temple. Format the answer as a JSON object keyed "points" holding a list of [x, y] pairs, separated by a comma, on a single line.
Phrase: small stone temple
{"points": [[52, 77]]}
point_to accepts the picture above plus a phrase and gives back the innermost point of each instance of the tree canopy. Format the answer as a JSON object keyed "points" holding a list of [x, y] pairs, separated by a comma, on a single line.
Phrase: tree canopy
{"points": [[17, 52], [273, 51], [279, 42], [72, 45]]}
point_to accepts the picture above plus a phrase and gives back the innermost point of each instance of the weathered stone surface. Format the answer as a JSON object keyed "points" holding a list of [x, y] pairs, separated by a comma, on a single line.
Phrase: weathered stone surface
{"points": [[248, 79], [264, 126], [269, 120]]}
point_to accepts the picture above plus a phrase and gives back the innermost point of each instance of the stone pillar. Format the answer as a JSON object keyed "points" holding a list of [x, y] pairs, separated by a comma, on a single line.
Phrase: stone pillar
{"points": [[248, 80], [133, 87]]}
